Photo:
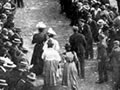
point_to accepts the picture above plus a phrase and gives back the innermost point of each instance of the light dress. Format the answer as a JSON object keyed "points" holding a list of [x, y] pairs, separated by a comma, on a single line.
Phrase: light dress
{"points": [[51, 61]]}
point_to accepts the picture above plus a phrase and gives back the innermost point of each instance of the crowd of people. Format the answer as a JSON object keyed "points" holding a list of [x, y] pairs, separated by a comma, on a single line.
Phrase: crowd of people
{"points": [[94, 23], [15, 71]]}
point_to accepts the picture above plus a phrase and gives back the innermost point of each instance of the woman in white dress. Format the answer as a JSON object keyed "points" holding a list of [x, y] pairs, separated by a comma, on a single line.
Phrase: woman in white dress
{"points": [[51, 61]]}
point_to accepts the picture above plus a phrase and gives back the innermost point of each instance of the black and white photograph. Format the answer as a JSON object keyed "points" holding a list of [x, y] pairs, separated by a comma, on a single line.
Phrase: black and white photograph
{"points": [[59, 44]]}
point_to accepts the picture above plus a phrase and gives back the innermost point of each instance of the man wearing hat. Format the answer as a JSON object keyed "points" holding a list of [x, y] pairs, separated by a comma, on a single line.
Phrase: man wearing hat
{"points": [[102, 59], [51, 35], [115, 63], [15, 52], [78, 44], [38, 39], [27, 83], [86, 31]]}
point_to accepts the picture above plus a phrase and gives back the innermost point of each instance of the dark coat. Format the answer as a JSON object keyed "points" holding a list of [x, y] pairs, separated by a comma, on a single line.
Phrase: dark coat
{"points": [[86, 31], [94, 29], [115, 62], [78, 43], [24, 85], [37, 61]]}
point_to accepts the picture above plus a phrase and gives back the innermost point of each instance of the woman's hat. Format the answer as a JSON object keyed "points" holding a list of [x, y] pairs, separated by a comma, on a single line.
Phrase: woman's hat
{"points": [[41, 25], [3, 82], [31, 76], [16, 40], [51, 31]]}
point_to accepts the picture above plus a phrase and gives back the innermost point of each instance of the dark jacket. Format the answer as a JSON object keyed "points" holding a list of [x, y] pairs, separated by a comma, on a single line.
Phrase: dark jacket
{"points": [[78, 43], [86, 31]]}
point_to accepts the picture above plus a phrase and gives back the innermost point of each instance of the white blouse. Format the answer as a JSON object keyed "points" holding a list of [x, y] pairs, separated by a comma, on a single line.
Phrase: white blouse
{"points": [[51, 54]]}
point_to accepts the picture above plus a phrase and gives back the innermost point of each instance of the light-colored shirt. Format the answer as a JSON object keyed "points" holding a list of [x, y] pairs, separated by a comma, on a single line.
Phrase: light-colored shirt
{"points": [[56, 45], [51, 54]]}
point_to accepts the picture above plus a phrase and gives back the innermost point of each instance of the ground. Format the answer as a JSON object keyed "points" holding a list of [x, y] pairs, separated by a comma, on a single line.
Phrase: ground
{"points": [[48, 11]]}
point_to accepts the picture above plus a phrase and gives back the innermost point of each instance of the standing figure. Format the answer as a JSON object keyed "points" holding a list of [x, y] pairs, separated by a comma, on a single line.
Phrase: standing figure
{"points": [[51, 59], [115, 63], [51, 35], [38, 39], [78, 44], [102, 57], [70, 73], [86, 31]]}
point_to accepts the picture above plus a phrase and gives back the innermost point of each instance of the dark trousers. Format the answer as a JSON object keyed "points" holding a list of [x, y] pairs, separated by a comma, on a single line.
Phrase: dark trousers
{"points": [[89, 52], [102, 71], [19, 3], [81, 66]]}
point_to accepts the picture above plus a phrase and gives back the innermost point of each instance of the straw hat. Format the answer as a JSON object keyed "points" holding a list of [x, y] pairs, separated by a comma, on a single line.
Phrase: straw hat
{"points": [[51, 31], [31, 76], [6, 60], [8, 65], [8, 6], [41, 25], [116, 42], [16, 40], [3, 82]]}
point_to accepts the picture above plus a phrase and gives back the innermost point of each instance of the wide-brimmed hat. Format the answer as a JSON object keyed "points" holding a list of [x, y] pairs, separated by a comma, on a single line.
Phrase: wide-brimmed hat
{"points": [[51, 31], [6, 60], [101, 21], [16, 40], [31, 76], [7, 6], [8, 65], [3, 82], [116, 42], [41, 25]]}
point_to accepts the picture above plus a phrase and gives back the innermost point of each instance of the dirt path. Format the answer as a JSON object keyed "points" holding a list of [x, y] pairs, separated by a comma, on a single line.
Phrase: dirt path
{"points": [[48, 12]]}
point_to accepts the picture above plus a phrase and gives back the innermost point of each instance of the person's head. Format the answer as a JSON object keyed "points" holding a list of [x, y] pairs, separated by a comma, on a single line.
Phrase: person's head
{"points": [[75, 29], [51, 32], [41, 26], [89, 17], [67, 47], [16, 42], [116, 43], [81, 22], [50, 44]]}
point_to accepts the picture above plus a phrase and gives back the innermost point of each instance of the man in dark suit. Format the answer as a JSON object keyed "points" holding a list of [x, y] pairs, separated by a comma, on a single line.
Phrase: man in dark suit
{"points": [[86, 31], [78, 44], [93, 26]]}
